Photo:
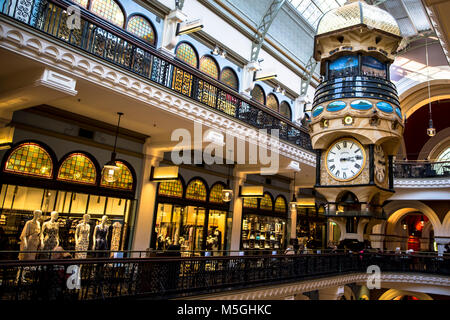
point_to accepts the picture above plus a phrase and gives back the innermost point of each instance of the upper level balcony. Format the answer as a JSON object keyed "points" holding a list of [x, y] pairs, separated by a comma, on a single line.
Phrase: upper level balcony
{"points": [[111, 44]]}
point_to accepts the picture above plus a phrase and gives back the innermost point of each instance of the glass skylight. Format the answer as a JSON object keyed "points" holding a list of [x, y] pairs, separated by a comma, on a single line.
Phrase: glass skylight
{"points": [[313, 10]]}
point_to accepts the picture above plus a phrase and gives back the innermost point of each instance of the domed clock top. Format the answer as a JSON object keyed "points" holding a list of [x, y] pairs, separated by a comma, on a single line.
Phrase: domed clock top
{"points": [[345, 159]]}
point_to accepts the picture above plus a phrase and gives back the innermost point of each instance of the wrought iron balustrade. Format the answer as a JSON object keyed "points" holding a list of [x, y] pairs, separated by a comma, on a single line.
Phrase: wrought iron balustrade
{"points": [[421, 169], [115, 45], [162, 278]]}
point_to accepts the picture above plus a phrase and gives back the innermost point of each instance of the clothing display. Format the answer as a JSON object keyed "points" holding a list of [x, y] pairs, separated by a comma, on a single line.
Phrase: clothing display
{"points": [[51, 235], [83, 230], [115, 238], [31, 233], [100, 237]]}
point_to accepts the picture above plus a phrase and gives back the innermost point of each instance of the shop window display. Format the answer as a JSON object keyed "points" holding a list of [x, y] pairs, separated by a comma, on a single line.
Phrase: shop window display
{"points": [[263, 232], [217, 227], [196, 190], [311, 227]]}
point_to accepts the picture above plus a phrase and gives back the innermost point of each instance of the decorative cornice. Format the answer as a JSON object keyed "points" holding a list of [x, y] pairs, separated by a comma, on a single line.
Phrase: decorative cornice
{"points": [[47, 51], [422, 183], [283, 290]]}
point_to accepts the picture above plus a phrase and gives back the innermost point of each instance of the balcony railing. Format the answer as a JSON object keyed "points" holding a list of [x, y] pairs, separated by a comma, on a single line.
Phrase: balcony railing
{"points": [[421, 169], [115, 45], [162, 278]]}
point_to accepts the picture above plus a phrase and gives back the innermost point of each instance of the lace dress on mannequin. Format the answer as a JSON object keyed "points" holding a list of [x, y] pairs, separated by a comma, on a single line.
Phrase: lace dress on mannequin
{"points": [[31, 232], [51, 236], [115, 238], [83, 241]]}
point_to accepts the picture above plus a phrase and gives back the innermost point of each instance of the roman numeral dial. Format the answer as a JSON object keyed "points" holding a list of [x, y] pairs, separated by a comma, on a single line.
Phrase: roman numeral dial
{"points": [[345, 159]]}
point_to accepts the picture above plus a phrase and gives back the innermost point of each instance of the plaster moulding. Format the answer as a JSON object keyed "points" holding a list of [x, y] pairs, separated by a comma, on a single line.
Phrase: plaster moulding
{"points": [[422, 183], [33, 45]]}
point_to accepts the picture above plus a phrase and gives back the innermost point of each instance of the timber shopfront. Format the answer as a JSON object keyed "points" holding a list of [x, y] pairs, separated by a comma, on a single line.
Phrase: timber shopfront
{"points": [[264, 223], [191, 217], [32, 178]]}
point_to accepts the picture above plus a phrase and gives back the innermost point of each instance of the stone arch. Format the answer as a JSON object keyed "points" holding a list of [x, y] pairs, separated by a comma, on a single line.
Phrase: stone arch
{"points": [[435, 145], [393, 293]]}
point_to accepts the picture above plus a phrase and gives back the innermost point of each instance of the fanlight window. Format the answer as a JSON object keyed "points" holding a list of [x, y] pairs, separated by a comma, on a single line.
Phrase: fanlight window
{"points": [[124, 181], [142, 28], [266, 202], [108, 10], [209, 66], [280, 205], [272, 102], [215, 195], [229, 78], [83, 3], [186, 53], [171, 189], [258, 94], [443, 157], [196, 190], [78, 168], [251, 203], [30, 159], [285, 110]]}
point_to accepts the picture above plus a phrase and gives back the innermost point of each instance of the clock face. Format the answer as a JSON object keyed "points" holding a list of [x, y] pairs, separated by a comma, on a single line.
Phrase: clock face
{"points": [[380, 163], [345, 159]]}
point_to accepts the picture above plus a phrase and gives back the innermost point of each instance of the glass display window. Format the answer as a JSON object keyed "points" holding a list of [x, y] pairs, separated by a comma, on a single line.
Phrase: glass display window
{"points": [[263, 232], [371, 66], [217, 228]]}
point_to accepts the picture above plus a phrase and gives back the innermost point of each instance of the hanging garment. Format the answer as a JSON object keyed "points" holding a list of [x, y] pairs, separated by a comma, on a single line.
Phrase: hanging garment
{"points": [[83, 240], [31, 232], [115, 238], [51, 232], [100, 238]]}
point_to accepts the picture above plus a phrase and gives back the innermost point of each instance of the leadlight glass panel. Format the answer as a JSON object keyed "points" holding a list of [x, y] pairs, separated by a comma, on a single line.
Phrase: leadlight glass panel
{"points": [[108, 10], [187, 54], [206, 93], [266, 203], [172, 188], [83, 3], [280, 204], [124, 181], [196, 190], [78, 168], [182, 81], [229, 78], [209, 66], [142, 28], [258, 94], [285, 110], [272, 102], [30, 159], [251, 203], [227, 103], [215, 195]]}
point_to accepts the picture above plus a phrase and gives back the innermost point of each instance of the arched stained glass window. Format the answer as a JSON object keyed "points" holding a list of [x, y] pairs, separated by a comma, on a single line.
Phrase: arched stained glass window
{"points": [[124, 181], [444, 156], [272, 102], [30, 159], [258, 94], [196, 190], [142, 28], [171, 189], [229, 78], [83, 3], [251, 203], [186, 53], [266, 202], [78, 168], [280, 204], [209, 66], [215, 195], [285, 110], [108, 10]]}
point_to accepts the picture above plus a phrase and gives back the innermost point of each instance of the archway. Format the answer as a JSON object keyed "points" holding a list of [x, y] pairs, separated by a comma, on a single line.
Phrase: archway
{"points": [[394, 294]]}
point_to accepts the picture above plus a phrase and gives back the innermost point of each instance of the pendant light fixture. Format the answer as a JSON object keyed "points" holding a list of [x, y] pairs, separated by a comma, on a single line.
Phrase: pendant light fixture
{"points": [[227, 192], [111, 170], [431, 131], [293, 203]]}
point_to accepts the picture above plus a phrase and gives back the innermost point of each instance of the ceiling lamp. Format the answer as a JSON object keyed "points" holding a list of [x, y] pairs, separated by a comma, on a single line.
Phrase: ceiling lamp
{"points": [[293, 203], [404, 225], [431, 131], [227, 192], [422, 221], [111, 170]]}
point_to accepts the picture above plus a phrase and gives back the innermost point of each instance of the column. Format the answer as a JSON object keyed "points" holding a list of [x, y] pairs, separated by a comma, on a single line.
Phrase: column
{"points": [[248, 73], [238, 180], [169, 37], [146, 200]]}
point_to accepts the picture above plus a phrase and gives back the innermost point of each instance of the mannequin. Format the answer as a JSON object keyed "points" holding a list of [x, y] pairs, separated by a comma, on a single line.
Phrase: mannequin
{"points": [[30, 237], [115, 238], [82, 237], [100, 236], [50, 233]]}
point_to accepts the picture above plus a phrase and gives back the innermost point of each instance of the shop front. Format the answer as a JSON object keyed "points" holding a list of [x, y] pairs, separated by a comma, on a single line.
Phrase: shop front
{"points": [[191, 219], [311, 227], [33, 179], [264, 223]]}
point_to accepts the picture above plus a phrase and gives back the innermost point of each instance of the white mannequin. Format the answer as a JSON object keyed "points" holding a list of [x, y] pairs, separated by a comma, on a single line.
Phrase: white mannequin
{"points": [[82, 237], [30, 236], [51, 240]]}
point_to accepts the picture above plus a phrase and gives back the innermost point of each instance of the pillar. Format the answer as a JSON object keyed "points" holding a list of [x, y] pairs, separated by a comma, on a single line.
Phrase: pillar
{"points": [[248, 73], [293, 227], [146, 201], [236, 229]]}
